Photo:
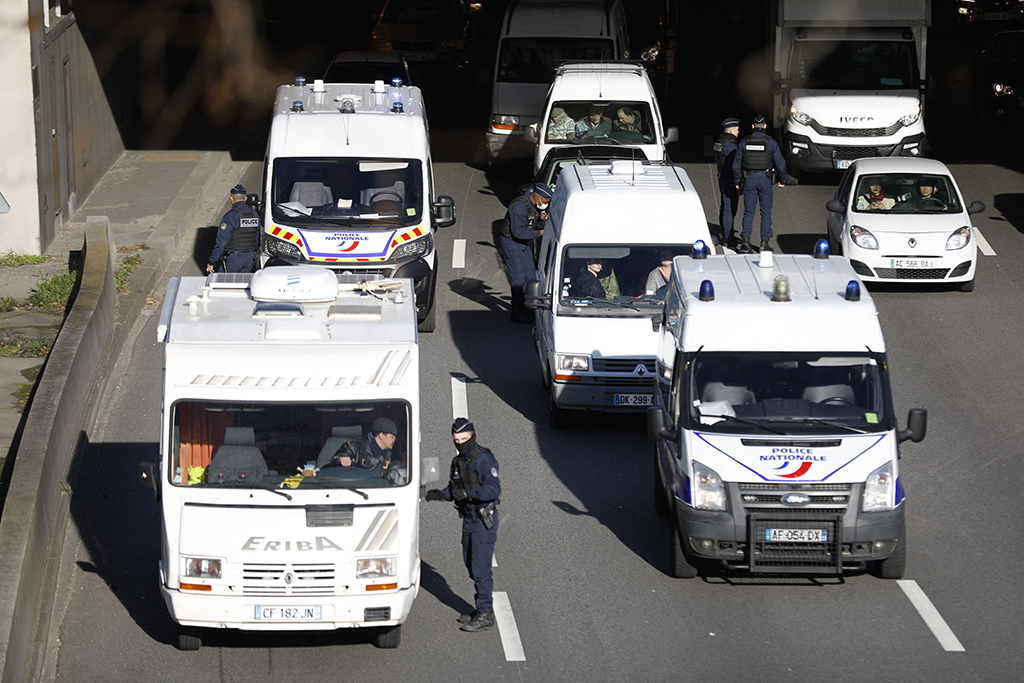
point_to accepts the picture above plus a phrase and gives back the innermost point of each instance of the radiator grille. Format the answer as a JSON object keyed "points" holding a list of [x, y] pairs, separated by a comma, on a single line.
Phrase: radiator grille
{"points": [[819, 558], [856, 132], [328, 515], [627, 365], [288, 579], [912, 273]]}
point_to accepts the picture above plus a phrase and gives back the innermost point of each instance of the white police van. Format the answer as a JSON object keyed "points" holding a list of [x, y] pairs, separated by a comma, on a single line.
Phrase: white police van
{"points": [[348, 184], [597, 346], [777, 441], [266, 375]]}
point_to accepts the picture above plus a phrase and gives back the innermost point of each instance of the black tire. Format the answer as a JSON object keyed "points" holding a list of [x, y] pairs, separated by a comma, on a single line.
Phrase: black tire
{"points": [[388, 637], [792, 177], [558, 418], [660, 494], [894, 566], [681, 565], [188, 639], [967, 286], [427, 324]]}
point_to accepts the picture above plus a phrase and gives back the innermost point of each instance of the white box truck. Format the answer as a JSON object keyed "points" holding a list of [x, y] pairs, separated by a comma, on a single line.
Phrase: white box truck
{"points": [[268, 377], [613, 224], [848, 80], [777, 443], [348, 184]]}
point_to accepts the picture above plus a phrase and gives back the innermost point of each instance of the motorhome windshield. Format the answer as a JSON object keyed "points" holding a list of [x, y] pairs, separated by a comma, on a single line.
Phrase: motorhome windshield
{"points": [[533, 60], [327, 192], [286, 446], [610, 278], [854, 65], [788, 393]]}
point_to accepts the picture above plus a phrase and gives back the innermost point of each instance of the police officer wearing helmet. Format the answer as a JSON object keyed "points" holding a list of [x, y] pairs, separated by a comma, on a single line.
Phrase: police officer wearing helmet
{"points": [[237, 237], [757, 164], [475, 488], [524, 221], [725, 154]]}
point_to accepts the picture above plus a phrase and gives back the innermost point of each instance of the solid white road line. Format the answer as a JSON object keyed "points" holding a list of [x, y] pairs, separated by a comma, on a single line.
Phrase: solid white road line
{"points": [[460, 407], [983, 246], [510, 640], [942, 632], [459, 254]]}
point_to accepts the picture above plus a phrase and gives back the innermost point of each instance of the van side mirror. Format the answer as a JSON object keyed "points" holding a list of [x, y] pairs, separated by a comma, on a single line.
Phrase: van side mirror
{"points": [[149, 478], [536, 300], [917, 426], [444, 211], [835, 206], [777, 85], [671, 135], [253, 200], [976, 207], [530, 133], [656, 429]]}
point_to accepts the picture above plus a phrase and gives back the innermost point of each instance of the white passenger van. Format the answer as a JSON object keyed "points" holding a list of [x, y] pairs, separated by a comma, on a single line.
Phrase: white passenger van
{"points": [[777, 442], [266, 377], [537, 36], [613, 225], [611, 104], [348, 184]]}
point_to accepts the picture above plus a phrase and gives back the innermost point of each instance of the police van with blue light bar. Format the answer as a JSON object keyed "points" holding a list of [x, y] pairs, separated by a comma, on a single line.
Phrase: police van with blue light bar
{"points": [[777, 442], [272, 381], [348, 184]]}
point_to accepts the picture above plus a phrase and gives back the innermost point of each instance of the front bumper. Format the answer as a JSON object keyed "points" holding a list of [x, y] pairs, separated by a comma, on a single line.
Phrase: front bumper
{"points": [[888, 262], [804, 154], [601, 397], [505, 145]]}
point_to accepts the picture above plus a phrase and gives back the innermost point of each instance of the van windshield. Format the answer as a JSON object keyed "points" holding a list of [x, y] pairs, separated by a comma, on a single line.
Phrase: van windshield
{"points": [[788, 393], [589, 122], [327, 192], [615, 278], [252, 444], [854, 65], [533, 60]]}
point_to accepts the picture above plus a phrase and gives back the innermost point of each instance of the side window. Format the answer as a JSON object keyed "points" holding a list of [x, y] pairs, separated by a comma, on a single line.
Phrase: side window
{"points": [[844, 187], [547, 263], [678, 391]]}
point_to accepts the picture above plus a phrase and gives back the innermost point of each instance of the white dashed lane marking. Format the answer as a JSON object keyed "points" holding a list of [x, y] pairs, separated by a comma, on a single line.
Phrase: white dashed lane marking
{"points": [[459, 255], [510, 640], [940, 629], [983, 246]]}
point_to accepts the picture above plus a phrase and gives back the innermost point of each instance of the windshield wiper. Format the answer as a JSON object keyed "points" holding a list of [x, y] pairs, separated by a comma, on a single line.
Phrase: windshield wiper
{"points": [[327, 483], [743, 420], [610, 302], [818, 420]]}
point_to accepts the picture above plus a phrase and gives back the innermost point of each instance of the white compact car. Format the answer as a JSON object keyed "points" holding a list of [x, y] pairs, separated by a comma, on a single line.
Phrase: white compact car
{"points": [[899, 219]]}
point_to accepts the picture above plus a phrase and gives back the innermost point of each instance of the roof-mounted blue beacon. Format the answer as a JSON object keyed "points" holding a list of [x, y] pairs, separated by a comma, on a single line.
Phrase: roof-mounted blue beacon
{"points": [[853, 291], [700, 250], [821, 249], [707, 291], [396, 82]]}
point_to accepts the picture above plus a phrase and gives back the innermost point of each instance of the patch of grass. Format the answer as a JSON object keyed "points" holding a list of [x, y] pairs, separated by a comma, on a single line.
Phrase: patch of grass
{"points": [[126, 249], [55, 291], [8, 303], [32, 348], [128, 266], [16, 258]]}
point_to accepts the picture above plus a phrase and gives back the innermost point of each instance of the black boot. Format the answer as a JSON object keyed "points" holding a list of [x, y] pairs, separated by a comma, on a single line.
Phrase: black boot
{"points": [[482, 621], [765, 246], [744, 246], [466, 618]]}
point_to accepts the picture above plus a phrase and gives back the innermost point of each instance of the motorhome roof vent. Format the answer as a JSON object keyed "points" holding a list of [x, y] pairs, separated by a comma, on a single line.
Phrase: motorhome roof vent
{"points": [[294, 283], [627, 167]]}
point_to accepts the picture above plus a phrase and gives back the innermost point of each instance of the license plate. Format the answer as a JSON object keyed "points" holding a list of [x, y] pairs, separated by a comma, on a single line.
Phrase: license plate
{"points": [[634, 399], [996, 16], [912, 263], [796, 535], [842, 163], [291, 613]]}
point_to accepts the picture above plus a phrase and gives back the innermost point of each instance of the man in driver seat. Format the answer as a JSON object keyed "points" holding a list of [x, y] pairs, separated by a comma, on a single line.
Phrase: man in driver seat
{"points": [[372, 452]]}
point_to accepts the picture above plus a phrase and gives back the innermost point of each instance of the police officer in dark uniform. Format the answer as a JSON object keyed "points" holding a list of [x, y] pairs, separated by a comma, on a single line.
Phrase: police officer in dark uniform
{"points": [[760, 161], [524, 221], [475, 488], [237, 238], [725, 154]]}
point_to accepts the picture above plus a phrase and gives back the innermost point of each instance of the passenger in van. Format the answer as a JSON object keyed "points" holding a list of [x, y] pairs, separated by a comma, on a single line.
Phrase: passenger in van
{"points": [[658, 277], [594, 124], [627, 120], [373, 452], [561, 126], [587, 284]]}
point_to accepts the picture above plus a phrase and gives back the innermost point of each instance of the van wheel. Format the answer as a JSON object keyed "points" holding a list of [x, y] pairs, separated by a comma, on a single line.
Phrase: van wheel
{"points": [[894, 566], [427, 324], [793, 177], [682, 566], [188, 639], [660, 494], [388, 637], [558, 418], [967, 286]]}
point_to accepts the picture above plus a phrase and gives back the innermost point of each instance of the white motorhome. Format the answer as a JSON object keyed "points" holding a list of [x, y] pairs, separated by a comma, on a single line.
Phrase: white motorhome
{"points": [[537, 36], [597, 344], [612, 104], [777, 442], [266, 377], [848, 80], [348, 184]]}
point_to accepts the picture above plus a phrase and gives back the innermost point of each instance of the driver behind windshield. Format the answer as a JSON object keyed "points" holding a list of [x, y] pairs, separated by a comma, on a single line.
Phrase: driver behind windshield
{"points": [[595, 124], [927, 197], [372, 452]]}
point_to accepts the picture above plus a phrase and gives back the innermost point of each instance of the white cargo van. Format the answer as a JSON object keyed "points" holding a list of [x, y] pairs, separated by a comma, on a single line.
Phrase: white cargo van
{"points": [[266, 376], [348, 184], [597, 343], [537, 36], [611, 104], [777, 442]]}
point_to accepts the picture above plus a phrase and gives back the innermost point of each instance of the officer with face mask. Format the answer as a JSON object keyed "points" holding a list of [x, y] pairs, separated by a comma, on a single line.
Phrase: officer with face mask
{"points": [[237, 237], [475, 488], [524, 222]]}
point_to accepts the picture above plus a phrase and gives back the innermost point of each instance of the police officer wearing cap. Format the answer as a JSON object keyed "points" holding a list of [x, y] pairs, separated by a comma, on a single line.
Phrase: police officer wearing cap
{"points": [[237, 237], [758, 162], [725, 154], [524, 221], [475, 488]]}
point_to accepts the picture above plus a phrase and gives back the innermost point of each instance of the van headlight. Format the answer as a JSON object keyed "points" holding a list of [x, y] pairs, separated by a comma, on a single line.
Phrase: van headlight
{"points": [[505, 122], [414, 248], [570, 362], [799, 117], [279, 247], [862, 238], [375, 567], [708, 490], [911, 118], [880, 490], [959, 239], [199, 568]]}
